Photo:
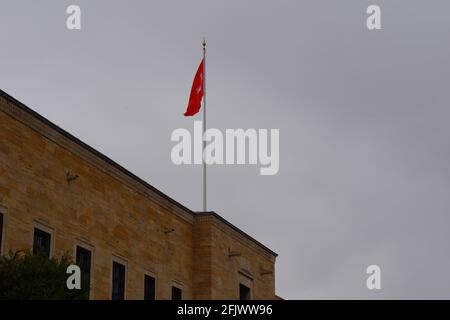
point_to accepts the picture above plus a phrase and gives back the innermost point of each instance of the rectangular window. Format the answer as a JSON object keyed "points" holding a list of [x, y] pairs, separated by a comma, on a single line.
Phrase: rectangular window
{"points": [[83, 260], [149, 288], [1, 231], [244, 292], [41, 242], [176, 293], [118, 281]]}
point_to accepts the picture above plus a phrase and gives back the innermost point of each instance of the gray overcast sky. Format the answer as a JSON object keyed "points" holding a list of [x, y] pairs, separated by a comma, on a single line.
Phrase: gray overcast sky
{"points": [[363, 116]]}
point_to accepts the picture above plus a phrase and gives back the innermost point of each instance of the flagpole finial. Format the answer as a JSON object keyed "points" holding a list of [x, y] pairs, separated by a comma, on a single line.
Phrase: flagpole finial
{"points": [[204, 43]]}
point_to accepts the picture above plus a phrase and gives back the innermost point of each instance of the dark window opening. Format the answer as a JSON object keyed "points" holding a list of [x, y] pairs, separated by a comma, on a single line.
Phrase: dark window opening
{"points": [[176, 293], [1, 230], [244, 292], [118, 281], [41, 242], [84, 262], [149, 288]]}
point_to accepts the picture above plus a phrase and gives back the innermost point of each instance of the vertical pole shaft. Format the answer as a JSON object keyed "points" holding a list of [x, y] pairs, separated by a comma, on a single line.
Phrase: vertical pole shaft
{"points": [[204, 125]]}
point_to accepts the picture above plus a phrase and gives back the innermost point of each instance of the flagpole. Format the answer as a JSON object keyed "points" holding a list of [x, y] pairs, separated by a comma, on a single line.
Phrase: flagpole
{"points": [[204, 125]]}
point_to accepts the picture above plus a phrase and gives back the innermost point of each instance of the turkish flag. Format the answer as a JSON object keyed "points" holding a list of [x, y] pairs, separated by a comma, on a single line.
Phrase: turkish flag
{"points": [[195, 99]]}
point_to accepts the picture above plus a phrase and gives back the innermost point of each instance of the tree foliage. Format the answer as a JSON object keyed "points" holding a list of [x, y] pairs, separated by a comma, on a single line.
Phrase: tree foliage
{"points": [[25, 276]]}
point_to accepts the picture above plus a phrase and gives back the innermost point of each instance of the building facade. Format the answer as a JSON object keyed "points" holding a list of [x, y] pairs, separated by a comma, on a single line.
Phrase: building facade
{"points": [[131, 241]]}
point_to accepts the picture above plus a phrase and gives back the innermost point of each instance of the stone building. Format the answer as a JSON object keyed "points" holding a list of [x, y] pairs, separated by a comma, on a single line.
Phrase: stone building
{"points": [[58, 195]]}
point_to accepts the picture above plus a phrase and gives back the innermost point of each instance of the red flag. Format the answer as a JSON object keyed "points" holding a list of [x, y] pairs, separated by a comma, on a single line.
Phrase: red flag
{"points": [[195, 99]]}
